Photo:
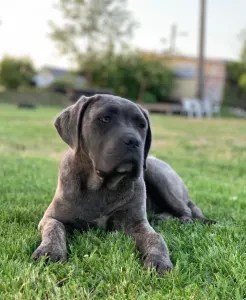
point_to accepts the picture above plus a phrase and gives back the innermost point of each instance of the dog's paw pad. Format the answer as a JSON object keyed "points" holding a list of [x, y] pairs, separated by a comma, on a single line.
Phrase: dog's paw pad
{"points": [[186, 219], [161, 264], [52, 255]]}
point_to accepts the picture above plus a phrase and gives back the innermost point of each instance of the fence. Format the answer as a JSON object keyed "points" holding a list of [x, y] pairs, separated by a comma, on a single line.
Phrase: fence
{"points": [[33, 97]]}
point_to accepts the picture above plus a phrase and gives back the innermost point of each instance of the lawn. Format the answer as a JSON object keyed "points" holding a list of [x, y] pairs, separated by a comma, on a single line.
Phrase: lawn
{"points": [[210, 261]]}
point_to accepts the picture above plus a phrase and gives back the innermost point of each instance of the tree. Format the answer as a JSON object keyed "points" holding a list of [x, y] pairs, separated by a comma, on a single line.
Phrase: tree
{"points": [[242, 82], [242, 38], [243, 53], [242, 76], [235, 89], [134, 77], [91, 27], [16, 72]]}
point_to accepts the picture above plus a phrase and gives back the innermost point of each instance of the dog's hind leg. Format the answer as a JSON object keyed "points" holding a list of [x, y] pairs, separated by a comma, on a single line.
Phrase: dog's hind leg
{"points": [[167, 190], [169, 194], [197, 213]]}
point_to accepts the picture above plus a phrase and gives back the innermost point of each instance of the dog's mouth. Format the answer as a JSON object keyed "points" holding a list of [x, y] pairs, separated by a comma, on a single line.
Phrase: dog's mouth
{"points": [[125, 168]]}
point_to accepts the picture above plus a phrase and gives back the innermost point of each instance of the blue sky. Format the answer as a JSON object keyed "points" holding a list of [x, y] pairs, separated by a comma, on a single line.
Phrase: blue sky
{"points": [[24, 29]]}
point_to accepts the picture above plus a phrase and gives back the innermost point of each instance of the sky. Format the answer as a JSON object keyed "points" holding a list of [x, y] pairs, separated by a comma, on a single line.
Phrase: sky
{"points": [[24, 29]]}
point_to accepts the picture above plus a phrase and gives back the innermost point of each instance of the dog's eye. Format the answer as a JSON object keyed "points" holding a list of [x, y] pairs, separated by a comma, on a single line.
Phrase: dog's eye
{"points": [[105, 119], [141, 125]]}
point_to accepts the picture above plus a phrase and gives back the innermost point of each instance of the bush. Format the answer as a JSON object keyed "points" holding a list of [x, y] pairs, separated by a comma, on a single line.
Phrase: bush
{"points": [[16, 72], [149, 98], [235, 90], [133, 77], [242, 82]]}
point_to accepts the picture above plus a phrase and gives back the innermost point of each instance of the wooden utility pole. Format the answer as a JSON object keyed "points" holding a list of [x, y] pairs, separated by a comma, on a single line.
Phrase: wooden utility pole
{"points": [[202, 22]]}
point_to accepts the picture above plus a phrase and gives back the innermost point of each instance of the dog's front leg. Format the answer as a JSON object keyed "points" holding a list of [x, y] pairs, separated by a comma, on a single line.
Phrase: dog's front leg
{"points": [[150, 244], [53, 243]]}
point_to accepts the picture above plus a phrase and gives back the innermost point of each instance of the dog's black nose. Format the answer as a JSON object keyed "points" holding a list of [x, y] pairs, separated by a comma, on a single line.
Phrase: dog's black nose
{"points": [[131, 142]]}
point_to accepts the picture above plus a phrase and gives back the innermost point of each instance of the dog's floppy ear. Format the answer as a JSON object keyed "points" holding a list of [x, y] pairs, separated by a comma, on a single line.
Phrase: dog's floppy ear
{"points": [[68, 123], [148, 136]]}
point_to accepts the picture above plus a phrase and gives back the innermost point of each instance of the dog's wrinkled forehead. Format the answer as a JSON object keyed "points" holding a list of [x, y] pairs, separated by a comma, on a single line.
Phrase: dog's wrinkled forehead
{"points": [[114, 104]]}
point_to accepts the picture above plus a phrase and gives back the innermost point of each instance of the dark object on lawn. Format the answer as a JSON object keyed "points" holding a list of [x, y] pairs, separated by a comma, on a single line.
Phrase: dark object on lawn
{"points": [[102, 180], [27, 105]]}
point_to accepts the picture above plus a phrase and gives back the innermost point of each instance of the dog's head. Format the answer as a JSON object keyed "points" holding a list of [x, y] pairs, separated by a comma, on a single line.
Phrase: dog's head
{"points": [[113, 132]]}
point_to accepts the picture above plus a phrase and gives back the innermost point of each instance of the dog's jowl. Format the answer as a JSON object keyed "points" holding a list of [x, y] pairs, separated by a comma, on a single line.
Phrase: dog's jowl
{"points": [[106, 178]]}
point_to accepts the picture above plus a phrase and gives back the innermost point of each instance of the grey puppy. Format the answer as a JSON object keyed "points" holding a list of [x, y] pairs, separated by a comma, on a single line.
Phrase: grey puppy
{"points": [[103, 178]]}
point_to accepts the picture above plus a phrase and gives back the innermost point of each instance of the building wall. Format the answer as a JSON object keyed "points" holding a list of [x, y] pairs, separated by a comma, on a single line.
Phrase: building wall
{"points": [[184, 88], [186, 82], [43, 78]]}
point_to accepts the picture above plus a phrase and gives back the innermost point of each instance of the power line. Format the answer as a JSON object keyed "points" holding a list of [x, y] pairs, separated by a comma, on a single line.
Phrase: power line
{"points": [[174, 34]]}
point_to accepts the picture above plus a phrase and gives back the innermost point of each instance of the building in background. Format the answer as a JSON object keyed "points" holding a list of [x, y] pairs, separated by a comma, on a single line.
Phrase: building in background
{"points": [[185, 69], [185, 85], [49, 75]]}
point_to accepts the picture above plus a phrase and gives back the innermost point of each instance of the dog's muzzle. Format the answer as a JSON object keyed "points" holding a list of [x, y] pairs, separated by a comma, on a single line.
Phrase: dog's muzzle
{"points": [[127, 168]]}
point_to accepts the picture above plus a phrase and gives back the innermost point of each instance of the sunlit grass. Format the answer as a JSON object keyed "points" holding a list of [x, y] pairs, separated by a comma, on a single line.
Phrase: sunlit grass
{"points": [[209, 260]]}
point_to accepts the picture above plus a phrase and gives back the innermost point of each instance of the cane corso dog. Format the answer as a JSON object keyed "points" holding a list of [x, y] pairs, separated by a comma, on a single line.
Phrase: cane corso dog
{"points": [[107, 180]]}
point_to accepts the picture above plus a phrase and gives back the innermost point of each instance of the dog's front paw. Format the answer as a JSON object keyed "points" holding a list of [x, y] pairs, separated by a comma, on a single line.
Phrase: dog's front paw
{"points": [[160, 263], [186, 219], [51, 252]]}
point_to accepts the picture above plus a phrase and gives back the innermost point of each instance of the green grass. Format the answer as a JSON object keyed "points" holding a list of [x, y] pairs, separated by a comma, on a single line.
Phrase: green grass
{"points": [[209, 261]]}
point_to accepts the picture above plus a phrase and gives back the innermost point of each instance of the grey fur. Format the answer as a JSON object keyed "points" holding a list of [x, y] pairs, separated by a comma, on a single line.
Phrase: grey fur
{"points": [[167, 195], [102, 180]]}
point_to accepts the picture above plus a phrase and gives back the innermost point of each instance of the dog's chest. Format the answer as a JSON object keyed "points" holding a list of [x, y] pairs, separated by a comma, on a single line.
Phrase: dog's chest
{"points": [[97, 207], [102, 222]]}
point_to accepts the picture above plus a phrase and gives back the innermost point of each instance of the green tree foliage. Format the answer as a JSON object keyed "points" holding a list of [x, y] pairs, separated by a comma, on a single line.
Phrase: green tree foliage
{"points": [[234, 71], [16, 72], [235, 90], [243, 53], [132, 76], [242, 78], [91, 27], [242, 83], [242, 38]]}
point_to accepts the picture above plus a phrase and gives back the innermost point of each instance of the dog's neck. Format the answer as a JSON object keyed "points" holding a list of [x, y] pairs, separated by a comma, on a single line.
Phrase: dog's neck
{"points": [[86, 170], [93, 179]]}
